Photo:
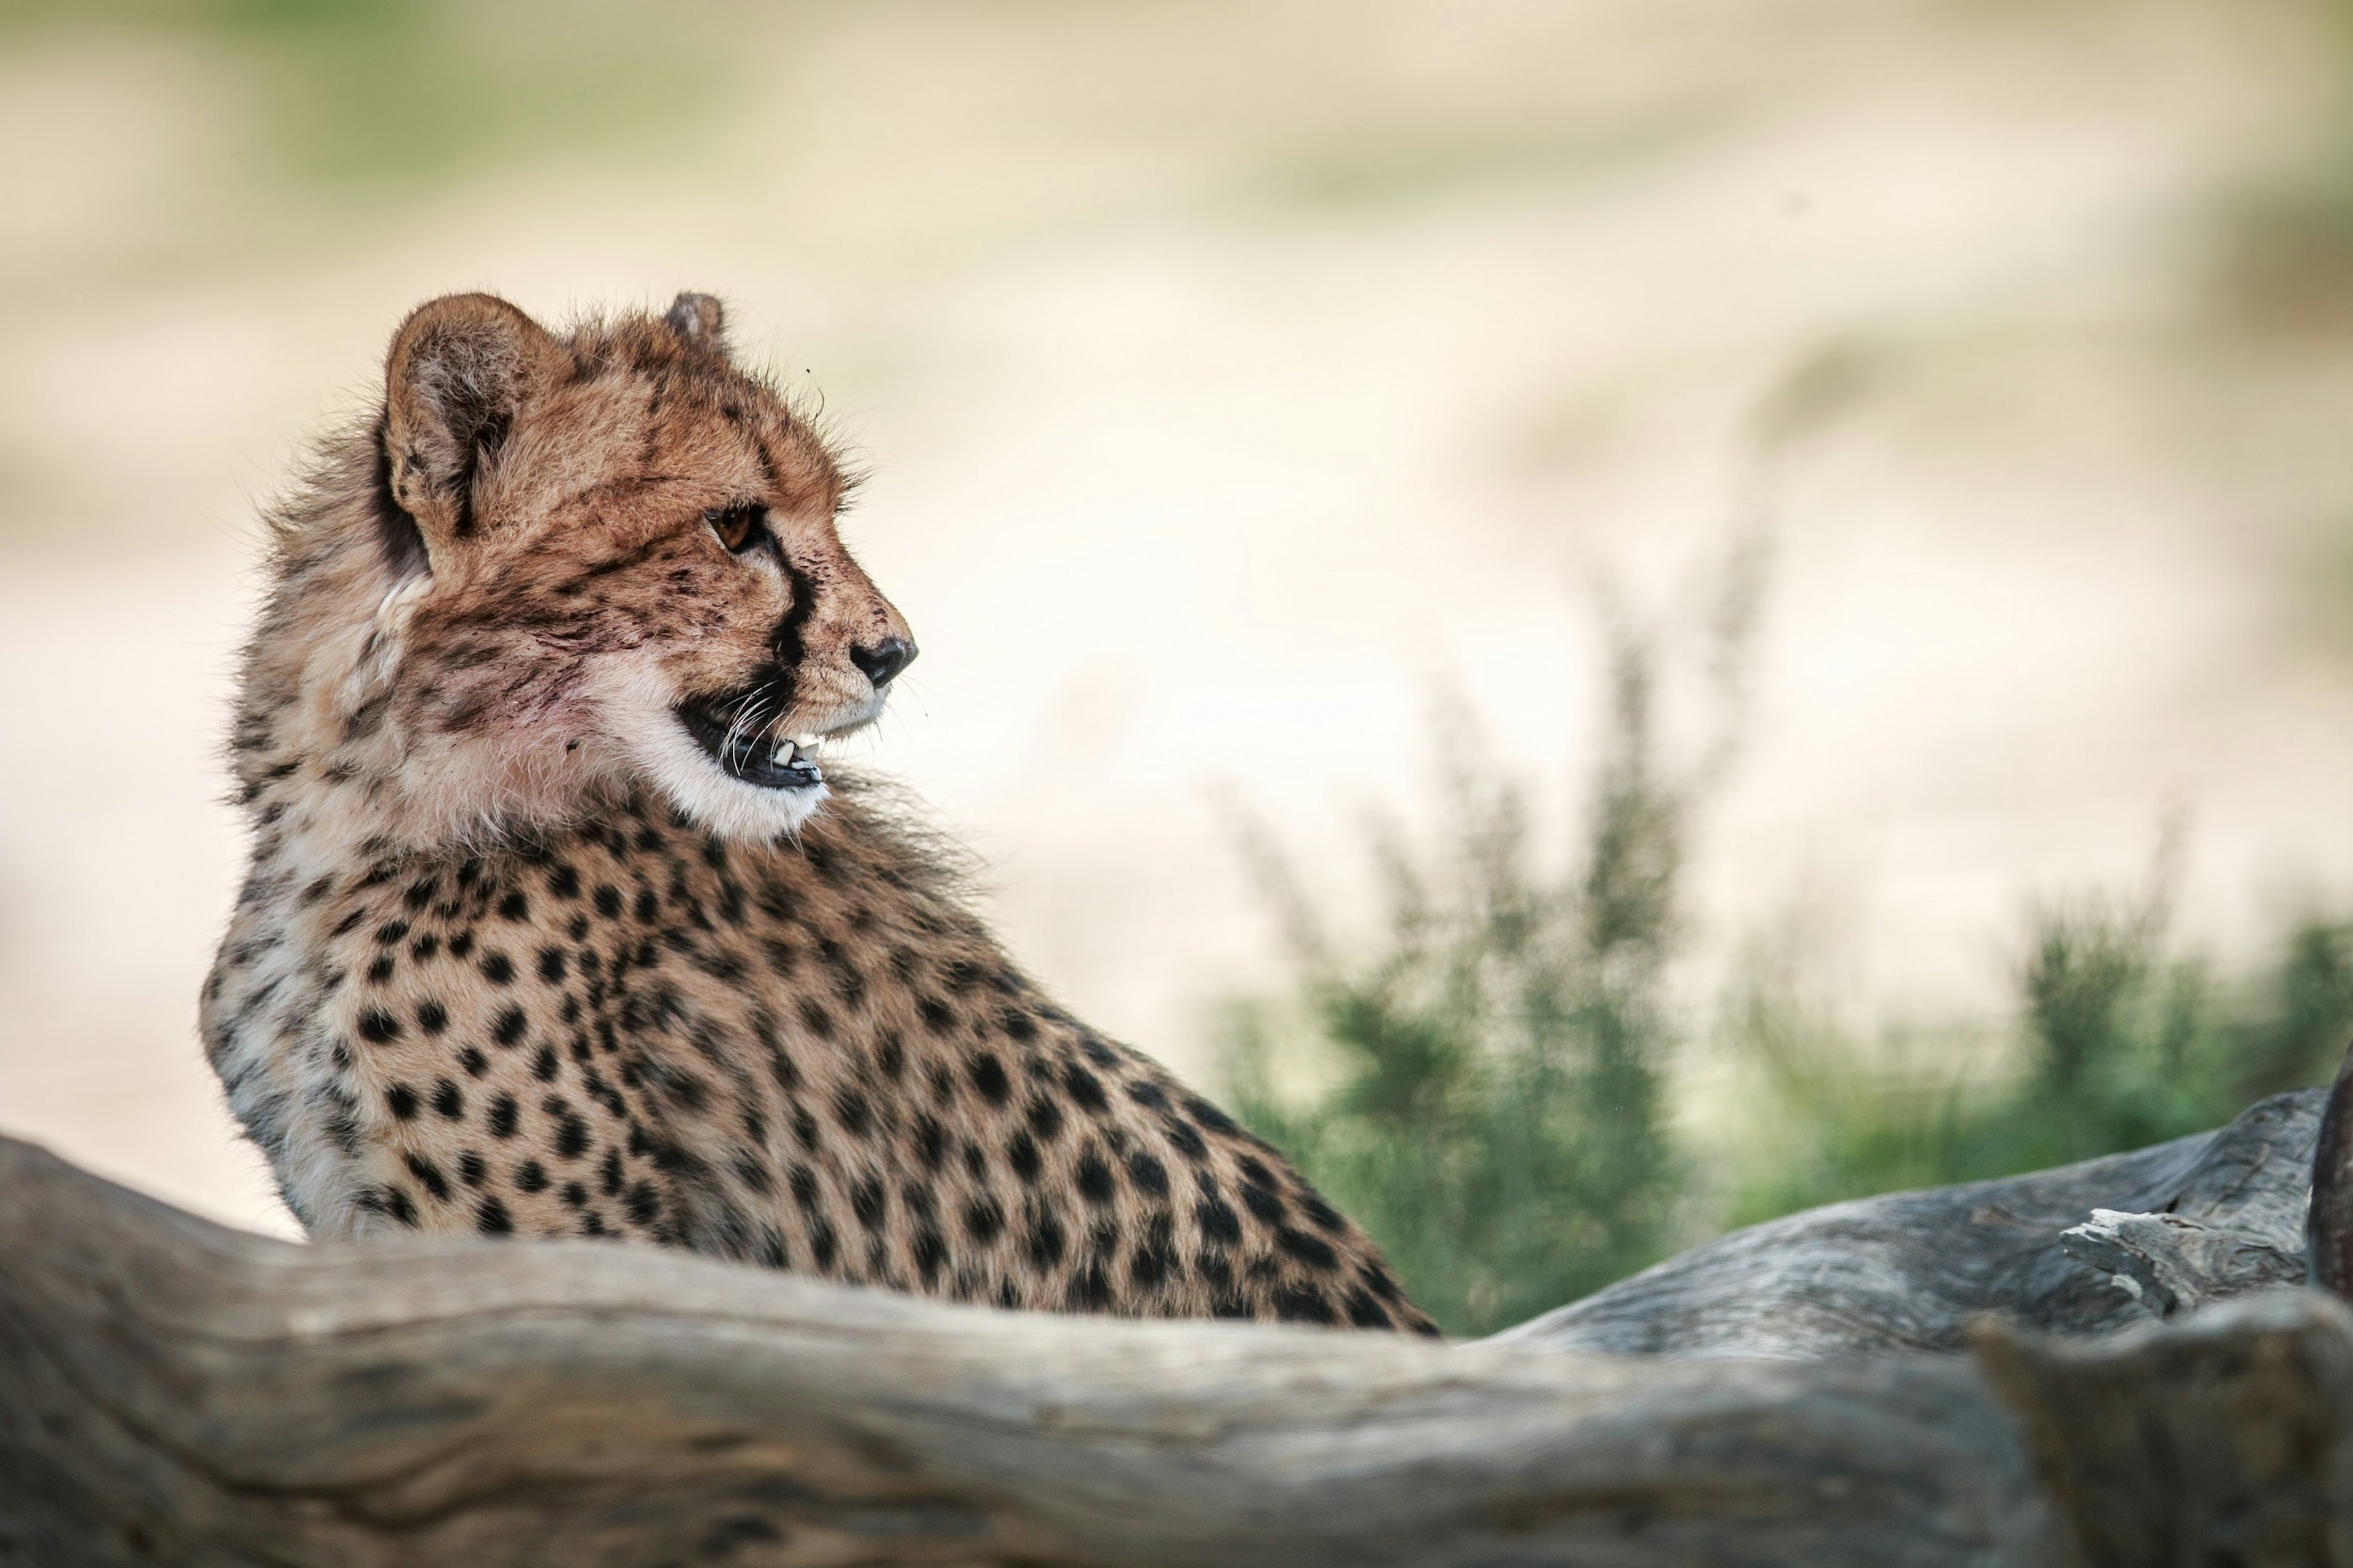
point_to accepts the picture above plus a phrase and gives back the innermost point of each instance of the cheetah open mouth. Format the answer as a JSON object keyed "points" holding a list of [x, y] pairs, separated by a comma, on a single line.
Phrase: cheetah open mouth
{"points": [[743, 753]]}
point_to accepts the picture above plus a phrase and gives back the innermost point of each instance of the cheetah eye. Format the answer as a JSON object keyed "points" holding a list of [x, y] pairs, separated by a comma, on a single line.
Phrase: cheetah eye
{"points": [[739, 527]]}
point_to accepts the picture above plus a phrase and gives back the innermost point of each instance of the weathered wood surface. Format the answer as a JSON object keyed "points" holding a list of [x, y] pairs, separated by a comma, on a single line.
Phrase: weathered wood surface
{"points": [[1914, 1270], [2226, 1439], [171, 1391]]}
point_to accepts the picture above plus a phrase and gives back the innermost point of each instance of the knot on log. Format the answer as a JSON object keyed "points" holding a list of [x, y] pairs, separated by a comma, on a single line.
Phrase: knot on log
{"points": [[2174, 1265]]}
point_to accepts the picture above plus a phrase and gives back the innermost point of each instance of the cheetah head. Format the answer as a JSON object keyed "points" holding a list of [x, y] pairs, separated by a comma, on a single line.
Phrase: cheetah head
{"points": [[612, 563]]}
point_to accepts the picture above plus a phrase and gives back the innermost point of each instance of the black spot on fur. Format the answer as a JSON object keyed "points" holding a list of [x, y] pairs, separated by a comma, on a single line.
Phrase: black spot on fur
{"points": [[984, 1221], [1209, 1116], [1309, 1249], [869, 1200], [987, 1075], [931, 1253], [432, 1017], [378, 1027], [752, 1173], [1156, 1257], [1189, 1142], [1085, 1087], [1150, 1176], [823, 1244], [502, 1120], [1045, 1117], [508, 1029], [1303, 1304], [401, 1100], [1090, 1288], [931, 1142], [1094, 1179], [496, 967], [429, 1174], [1217, 1221], [1044, 1241], [449, 1101]]}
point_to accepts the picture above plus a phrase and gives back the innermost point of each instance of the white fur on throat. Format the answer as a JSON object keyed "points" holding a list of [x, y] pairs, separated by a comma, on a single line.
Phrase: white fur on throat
{"points": [[635, 705]]}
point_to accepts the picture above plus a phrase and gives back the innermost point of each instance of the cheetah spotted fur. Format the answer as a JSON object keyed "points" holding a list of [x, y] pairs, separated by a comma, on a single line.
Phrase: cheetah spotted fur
{"points": [[555, 926]]}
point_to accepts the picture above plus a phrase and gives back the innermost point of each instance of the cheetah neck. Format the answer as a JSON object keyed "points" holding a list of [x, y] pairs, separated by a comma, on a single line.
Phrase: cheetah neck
{"points": [[330, 755]]}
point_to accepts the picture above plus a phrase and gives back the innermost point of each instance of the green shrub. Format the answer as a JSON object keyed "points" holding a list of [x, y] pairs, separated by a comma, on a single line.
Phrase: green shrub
{"points": [[1482, 1081], [2119, 1040], [1487, 1095]]}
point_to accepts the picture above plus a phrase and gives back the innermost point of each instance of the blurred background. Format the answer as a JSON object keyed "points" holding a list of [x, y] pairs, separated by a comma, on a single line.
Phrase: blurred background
{"points": [[1615, 616]]}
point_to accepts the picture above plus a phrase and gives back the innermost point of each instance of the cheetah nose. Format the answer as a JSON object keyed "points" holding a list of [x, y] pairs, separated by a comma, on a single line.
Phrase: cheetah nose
{"points": [[884, 660]]}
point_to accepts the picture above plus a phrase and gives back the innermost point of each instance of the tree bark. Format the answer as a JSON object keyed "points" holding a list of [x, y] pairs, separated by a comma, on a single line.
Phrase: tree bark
{"points": [[1914, 1270], [171, 1391]]}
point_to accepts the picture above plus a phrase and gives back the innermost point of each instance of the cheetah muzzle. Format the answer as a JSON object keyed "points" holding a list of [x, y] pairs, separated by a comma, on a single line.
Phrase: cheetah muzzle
{"points": [[555, 926], [724, 728]]}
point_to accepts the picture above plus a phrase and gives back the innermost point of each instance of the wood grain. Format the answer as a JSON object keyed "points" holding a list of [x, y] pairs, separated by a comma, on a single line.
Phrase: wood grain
{"points": [[174, 1392]]}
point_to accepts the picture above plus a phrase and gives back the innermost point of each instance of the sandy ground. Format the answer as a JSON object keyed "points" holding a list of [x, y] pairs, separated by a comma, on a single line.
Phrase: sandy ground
{"points": [[1223, 399]]}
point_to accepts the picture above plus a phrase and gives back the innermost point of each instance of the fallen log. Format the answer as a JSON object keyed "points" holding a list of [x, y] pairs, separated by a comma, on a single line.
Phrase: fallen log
{"points": [[173, 1391], [1914, 1270]]}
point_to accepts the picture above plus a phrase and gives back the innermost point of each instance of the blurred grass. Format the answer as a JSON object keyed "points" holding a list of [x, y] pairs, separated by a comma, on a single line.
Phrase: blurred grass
{"points": [[404, 97], [1485, 1083], [2120, 1039], [2286, 260]]}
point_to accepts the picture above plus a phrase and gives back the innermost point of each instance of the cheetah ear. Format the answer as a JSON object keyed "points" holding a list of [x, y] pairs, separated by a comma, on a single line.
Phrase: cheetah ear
{"points": [[699, 319], [461, 369]]}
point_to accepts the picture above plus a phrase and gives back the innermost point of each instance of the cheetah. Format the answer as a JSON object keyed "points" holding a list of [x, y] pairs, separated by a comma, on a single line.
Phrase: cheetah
{"points": [[559, 923]]}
